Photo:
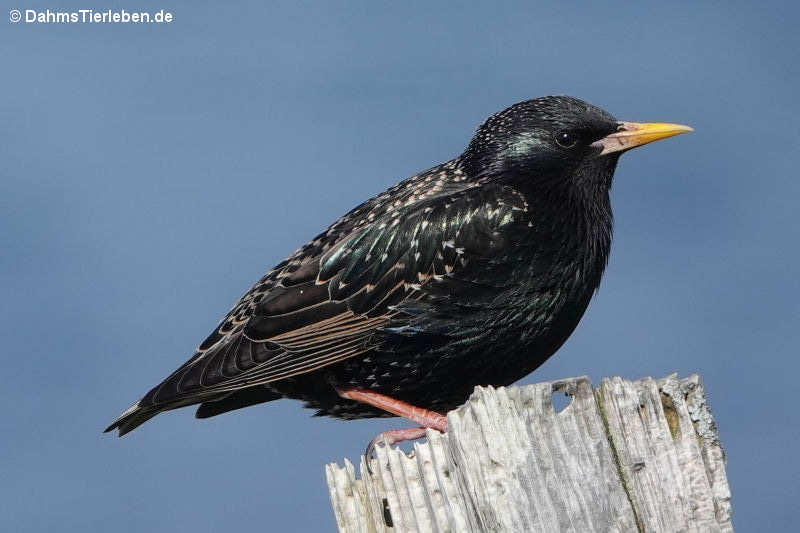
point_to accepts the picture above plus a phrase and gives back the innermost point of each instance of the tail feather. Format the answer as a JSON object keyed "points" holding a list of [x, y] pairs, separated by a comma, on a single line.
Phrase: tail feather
{"points": [[211, 405], [133, 417]]}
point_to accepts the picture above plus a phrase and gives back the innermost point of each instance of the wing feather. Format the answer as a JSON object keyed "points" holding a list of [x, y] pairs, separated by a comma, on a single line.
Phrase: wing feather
{"points": [[325, 302]]}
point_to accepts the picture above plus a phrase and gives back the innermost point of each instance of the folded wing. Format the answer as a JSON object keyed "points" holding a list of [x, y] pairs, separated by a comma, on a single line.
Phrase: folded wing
{"points": [[325, 303]]}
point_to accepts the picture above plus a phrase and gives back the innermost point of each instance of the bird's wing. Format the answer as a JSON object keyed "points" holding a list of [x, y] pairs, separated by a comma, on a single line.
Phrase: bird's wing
{"points": [[325, 303]]}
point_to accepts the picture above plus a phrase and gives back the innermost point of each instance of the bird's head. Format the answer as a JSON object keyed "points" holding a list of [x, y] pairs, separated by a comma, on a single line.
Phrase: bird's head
{"points": [[557, 140]]}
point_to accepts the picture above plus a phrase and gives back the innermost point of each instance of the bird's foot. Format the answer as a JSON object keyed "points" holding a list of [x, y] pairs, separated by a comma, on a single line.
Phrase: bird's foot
{"points": [[424, 417], [393, 436]]}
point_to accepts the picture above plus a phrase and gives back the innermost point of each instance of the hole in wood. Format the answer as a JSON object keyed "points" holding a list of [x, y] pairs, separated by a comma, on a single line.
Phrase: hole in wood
{"points": [[387, 514], [561, 401]]}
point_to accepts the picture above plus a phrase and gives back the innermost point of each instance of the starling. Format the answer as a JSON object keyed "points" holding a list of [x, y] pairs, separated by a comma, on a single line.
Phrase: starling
{"points": [[473, 272]]}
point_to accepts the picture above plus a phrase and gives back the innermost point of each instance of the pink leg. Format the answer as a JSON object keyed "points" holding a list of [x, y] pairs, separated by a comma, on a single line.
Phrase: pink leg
{"points": [[424, 417]]}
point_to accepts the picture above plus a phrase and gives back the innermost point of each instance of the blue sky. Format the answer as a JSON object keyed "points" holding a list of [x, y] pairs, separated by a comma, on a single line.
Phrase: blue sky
{"points": [[151, 173]]}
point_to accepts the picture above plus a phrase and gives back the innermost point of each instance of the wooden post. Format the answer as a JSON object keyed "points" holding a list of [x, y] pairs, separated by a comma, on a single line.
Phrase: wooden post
{"points": [[629, 456]]}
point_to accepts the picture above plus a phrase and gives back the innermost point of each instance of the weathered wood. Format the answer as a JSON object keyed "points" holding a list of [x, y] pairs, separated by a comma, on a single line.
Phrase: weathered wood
{"points": [[630, 456]]}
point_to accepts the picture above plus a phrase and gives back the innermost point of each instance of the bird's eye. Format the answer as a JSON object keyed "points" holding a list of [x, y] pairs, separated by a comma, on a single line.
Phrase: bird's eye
{"points": [[566, 139]]}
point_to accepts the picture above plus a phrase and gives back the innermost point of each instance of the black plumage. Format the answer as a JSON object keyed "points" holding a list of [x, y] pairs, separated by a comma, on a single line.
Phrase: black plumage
{"points": [[473, 272]]}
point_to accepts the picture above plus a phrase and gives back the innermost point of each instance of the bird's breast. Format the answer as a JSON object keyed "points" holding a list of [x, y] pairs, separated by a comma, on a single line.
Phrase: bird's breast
{"points": [[551, 275]]}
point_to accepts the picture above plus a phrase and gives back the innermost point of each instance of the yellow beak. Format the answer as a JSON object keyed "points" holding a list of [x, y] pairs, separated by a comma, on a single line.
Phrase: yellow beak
{"points": [[633, 134]]}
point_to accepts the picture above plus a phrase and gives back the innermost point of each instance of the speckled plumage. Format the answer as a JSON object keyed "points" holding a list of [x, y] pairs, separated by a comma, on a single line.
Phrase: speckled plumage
{"points": [[473, 272]]}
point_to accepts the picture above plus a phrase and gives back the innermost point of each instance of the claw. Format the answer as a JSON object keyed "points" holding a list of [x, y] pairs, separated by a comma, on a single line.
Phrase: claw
{"points": [[393, 436]]}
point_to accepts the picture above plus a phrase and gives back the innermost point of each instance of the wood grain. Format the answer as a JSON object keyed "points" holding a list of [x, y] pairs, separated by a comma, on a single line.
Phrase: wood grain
{"points": [[629, 456]]}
